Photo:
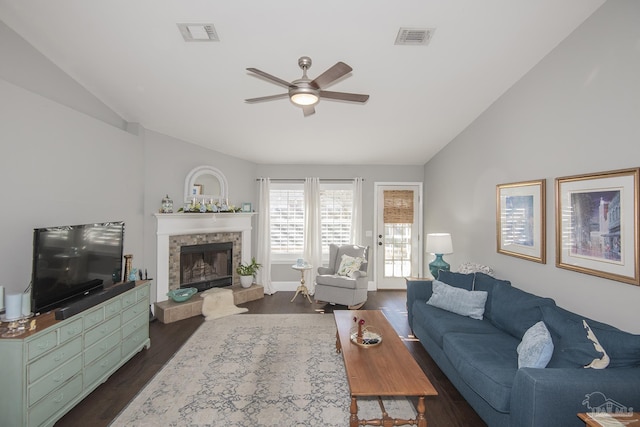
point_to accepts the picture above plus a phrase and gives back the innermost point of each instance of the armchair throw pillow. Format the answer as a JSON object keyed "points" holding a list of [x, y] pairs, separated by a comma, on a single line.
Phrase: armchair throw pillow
{"points": [[348, 265]]}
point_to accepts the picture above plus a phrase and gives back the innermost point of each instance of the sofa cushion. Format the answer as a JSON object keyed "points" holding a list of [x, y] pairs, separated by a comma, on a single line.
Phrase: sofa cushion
{"points": [[514, 310], [487, 363], [622, 347], [458, 280], [439, 322], [457, 300], [487, 283], [572, 348], [536, 348]]}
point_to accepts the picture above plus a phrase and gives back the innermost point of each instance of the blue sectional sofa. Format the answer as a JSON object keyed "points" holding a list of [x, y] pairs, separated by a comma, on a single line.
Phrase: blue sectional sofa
{"points": [[480, 356]]}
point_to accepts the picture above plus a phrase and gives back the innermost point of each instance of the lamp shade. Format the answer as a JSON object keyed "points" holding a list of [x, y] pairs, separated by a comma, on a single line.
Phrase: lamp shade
{"points": [[439, 243]]}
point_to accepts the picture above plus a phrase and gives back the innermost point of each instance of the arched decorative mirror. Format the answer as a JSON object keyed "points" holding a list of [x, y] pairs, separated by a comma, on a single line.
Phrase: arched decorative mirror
{"points": [[205, 182]]}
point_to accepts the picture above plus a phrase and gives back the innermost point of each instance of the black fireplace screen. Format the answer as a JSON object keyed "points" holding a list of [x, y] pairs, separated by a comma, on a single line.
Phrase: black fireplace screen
{"points": [[206, 266]]}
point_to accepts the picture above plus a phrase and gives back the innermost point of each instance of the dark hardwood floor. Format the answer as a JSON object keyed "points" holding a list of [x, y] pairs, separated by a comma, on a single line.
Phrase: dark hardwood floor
{"points": [[103, 405]]}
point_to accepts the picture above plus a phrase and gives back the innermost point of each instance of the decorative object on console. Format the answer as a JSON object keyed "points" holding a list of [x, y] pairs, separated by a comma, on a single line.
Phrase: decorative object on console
{"points": [[439, 244], [246, 207], [597, 224], [128, 265], [167, 205], [521, 220]]}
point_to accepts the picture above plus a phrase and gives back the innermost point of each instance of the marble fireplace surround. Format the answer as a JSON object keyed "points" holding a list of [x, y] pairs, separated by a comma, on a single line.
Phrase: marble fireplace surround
{"points": [[207, 224]]}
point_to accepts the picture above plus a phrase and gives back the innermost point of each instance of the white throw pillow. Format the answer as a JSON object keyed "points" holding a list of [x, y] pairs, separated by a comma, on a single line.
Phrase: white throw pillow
{"points": [[349, 265], [458, 300], [536, 348]]}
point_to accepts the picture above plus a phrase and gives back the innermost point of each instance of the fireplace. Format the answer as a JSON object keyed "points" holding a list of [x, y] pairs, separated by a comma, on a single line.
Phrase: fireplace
{"points": [[206, 266], [179, 229]]}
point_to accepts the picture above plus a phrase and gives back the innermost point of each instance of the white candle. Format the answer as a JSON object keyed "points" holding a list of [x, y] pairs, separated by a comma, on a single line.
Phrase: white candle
{"points": [[14, 306], [1, 297], [26, 303]]}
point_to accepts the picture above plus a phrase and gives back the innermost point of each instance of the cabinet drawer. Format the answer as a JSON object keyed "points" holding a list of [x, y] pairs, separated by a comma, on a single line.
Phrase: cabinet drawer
{"points": [[142, 293], [54, 379], [135, 324], [135, 340], [100, 367], [134, 311], [128, 298], [54, 402], [96, 334], [93, 317], [101, 348], [113, 308], [53, 360], [71, 330], [42, 344]]}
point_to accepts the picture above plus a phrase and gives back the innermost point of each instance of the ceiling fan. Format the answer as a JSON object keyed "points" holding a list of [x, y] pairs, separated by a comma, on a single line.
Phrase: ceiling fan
{"points": [[305, 92]]}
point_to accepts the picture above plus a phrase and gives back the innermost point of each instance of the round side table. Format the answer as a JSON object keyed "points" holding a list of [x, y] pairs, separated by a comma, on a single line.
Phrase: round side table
{"points": [[302, 289]]}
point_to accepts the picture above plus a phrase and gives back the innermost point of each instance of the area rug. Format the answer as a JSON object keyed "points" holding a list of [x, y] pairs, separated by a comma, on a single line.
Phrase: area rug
{"points": [[218, 303], [255, 370]]}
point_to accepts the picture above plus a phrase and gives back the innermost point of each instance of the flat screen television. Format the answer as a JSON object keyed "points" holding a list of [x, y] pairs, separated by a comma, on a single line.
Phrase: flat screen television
{"points": [[72, 261]]}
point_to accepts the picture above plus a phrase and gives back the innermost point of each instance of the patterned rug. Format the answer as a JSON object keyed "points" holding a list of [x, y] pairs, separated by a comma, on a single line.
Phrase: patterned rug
{"points": [[255, 370]]}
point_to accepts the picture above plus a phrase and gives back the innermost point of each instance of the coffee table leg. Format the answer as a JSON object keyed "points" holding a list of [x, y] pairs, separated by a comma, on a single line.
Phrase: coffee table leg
{"points": [[353, 418], [421, 420]]}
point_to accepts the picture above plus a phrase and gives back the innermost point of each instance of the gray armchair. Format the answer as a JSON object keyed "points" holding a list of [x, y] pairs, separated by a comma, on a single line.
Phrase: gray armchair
{"points": [[349, 290]]}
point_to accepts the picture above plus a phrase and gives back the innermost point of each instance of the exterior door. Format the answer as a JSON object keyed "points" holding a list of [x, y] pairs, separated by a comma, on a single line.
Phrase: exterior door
{"points": [[398, 234]]}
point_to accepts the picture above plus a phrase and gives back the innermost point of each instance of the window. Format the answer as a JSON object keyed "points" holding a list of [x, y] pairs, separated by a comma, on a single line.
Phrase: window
{"points": [[287, 217]]}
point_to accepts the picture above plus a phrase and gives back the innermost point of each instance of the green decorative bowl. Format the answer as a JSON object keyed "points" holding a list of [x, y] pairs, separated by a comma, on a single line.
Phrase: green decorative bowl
{"points": [[182, 295]]}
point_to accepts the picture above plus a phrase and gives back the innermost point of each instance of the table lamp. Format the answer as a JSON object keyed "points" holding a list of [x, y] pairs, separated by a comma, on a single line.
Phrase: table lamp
{"points": [[439, 244]]}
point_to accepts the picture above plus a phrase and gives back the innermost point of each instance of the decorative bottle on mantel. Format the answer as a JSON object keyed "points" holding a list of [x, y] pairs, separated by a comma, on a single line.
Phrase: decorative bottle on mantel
{"points": [[128, 264]]}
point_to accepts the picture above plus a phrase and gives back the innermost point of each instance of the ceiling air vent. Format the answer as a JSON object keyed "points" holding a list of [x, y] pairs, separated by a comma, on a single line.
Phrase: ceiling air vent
{"points": [[198, 32], [414, 36]]}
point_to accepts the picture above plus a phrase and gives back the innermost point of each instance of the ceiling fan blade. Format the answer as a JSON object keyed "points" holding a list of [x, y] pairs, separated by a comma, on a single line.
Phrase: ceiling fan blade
{"points": [[268, 76], [344, 96], [308, 110], [331, 75], [267, 98]]}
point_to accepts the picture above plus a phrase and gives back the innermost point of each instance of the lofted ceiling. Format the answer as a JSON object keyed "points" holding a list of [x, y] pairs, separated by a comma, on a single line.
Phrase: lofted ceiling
{"points": [[132, 56]]}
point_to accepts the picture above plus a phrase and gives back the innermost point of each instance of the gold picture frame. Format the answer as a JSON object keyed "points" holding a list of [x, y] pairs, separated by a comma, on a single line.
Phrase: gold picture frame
{"points": [[597, 224], [521, 220]]}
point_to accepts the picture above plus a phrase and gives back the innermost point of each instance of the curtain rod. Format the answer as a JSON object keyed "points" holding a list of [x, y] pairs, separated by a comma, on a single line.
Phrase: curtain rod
{"points": [[302, 179]]}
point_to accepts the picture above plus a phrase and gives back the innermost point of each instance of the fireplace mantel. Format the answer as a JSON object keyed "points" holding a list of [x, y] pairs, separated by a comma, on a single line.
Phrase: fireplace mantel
{"points": [[195, 223]]}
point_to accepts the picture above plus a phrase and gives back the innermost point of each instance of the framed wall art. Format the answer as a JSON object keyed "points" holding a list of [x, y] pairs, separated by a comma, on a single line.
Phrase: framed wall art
{"points": [[597, 224], [521, 220]]}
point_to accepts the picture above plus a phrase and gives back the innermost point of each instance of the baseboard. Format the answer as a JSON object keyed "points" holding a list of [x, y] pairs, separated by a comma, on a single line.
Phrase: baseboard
{"points": [[292, 286]]}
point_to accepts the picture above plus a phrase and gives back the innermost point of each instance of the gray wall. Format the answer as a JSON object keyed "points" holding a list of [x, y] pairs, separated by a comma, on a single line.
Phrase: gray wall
{"points": [[61, 167], [577, 111]]}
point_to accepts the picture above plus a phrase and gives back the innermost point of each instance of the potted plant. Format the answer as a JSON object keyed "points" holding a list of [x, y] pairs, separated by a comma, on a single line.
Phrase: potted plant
{"points": [[247, 272]]}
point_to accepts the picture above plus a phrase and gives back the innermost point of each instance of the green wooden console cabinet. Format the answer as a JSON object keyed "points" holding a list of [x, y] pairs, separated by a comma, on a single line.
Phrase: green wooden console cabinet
{"points": [[46, 372]]}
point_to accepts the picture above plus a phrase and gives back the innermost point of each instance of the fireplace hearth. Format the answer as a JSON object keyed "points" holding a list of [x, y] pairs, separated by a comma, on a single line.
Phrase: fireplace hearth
{"points": [[206, 266]]}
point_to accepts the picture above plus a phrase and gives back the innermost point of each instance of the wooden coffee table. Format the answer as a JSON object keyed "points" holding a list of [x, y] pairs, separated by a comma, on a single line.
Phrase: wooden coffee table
{"points": [[387, 369]]}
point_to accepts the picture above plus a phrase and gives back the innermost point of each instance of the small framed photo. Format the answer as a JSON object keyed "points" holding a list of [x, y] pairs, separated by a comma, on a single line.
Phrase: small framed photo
{"points": [[521, 220], [196, 190], [597, 224], [246, 207]]}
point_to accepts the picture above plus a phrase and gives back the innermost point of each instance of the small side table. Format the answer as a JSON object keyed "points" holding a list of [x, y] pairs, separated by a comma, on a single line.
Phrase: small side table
{"points": [[302, 288]]}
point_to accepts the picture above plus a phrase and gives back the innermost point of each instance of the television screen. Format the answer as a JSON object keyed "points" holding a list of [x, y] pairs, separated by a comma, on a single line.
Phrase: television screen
{"points": [[70, 261]]}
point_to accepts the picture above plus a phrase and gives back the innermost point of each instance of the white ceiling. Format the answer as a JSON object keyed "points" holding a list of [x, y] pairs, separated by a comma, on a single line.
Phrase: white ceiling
{"points": [[131, 55]]}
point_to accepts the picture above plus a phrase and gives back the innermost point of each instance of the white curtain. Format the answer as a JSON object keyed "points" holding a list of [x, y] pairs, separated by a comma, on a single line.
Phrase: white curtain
{"points": [[312, 230], [356, 215], [264, 237]]}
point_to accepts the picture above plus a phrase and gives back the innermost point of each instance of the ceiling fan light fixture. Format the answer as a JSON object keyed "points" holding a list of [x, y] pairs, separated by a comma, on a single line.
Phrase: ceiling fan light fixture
{"points": [[304, 96]]}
